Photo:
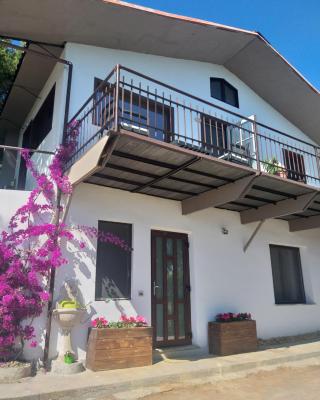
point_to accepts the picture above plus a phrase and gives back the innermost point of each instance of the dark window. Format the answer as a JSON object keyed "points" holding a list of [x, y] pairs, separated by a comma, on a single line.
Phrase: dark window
{"points": [[137, 113], [287, 275], [294, 164], [214, 135], [41, 125], [223, 91], [113, 267]]}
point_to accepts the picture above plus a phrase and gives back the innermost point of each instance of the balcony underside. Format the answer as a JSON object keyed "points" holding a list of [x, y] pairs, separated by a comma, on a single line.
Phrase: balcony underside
{"points": [[144, 165]]}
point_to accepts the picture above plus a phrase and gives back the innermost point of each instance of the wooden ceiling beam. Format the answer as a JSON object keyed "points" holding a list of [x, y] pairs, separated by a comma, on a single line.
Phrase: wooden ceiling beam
{"points": [[280, 209], [219, 196], [302, 224]]}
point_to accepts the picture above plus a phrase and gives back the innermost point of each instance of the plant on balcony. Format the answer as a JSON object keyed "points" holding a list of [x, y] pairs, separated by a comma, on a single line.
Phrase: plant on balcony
{"points": [[273, 167], [32, 247], [119, 344]]}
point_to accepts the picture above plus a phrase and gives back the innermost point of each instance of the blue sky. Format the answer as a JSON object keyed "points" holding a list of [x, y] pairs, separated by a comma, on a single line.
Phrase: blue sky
{"points": [[291, 26]]}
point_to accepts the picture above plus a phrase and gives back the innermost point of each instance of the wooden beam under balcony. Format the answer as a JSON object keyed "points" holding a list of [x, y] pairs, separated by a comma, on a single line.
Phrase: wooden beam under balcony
{"points": [[302, 224], [219, 196], [92, 161], [280, 209]]}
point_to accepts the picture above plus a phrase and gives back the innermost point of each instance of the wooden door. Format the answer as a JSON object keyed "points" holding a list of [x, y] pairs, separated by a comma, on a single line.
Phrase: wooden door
{"points": [[170, 286]]}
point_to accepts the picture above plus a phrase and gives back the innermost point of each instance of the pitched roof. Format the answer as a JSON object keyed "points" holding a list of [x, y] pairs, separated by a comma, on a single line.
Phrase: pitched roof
{"points": [[120, 25]]}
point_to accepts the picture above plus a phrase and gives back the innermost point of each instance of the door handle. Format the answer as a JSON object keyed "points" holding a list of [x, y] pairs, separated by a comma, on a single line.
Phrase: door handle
{"points": [[155, 287]]}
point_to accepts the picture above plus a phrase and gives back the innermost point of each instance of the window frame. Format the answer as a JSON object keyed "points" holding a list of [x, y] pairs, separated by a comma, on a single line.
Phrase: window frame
{"points": [[129, 297], [223, 84], [300, 276]]}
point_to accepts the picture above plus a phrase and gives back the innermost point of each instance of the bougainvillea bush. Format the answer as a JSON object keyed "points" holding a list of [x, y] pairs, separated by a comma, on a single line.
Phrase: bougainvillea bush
{"points": [[32, 246]]}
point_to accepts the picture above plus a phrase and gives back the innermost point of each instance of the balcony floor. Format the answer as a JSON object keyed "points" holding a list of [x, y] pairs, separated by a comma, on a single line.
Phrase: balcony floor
{"points": [[144, 165]]}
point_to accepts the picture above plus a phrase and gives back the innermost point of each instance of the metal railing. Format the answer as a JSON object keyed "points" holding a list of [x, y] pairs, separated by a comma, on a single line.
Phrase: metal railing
{"points": [[132, 101], [13, 171]]}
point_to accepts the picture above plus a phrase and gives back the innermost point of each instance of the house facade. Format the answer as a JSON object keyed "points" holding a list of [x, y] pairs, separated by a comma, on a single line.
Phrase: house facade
{"points": [[200, 154]]}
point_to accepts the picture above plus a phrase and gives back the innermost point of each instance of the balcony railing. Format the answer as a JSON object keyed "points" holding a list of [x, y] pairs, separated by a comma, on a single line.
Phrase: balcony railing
{"points": [[128, 100]]}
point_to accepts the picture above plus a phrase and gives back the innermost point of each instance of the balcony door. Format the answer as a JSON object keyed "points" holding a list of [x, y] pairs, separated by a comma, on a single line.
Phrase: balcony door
{"points": [[139, 111], [170, 284]]}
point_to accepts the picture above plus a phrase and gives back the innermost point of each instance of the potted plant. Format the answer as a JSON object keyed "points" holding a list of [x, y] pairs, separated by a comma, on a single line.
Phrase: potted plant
{"points": [[121, 344], [69, 357], [273, 167], [232, 333]]}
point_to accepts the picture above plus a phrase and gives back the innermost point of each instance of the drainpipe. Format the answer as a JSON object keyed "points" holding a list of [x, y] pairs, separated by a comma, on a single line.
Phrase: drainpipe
{"points": [[51, 280]]}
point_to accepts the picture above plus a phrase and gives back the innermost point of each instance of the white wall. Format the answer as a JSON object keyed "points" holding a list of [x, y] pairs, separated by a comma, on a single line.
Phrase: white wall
{"points": [[223, 277], [58, 77]]}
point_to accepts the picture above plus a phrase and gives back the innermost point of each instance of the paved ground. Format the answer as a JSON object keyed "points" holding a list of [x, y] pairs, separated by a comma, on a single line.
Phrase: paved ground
{"points": [[279, 384], [184, 368]]}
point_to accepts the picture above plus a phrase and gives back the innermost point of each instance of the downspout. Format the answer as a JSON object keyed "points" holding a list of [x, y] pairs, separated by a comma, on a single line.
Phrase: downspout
{"points": [[59, 196], [51, 280]]}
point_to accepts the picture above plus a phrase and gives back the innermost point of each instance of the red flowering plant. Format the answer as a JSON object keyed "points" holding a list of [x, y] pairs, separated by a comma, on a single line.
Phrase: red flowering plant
{"points": [[231, 317], [124, 322], [32, 246]]}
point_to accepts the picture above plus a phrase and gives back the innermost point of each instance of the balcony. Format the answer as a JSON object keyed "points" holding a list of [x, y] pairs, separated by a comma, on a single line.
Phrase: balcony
{"points": [[144, 136]]}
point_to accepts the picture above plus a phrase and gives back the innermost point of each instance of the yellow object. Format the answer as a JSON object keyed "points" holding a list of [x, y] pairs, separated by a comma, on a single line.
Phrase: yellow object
{"points": [[68, 304]]}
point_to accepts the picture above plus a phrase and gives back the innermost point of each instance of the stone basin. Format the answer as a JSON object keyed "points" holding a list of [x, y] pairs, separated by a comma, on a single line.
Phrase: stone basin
{"points": [[67, 318]]}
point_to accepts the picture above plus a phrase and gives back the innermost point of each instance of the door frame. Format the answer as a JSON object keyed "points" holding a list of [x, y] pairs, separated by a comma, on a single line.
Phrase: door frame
{"points": [[187, 300]]}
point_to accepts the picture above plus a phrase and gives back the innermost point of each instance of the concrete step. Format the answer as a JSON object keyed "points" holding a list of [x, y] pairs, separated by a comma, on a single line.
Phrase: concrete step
{"points": [[179, 353]]}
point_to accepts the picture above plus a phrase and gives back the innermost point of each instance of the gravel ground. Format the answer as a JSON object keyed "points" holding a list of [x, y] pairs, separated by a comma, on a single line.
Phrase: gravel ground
{"points": [[279, 384]]}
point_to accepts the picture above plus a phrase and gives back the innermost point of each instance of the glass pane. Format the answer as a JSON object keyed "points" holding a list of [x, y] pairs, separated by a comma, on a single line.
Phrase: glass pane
{"points": [[180, 269], [216, 89], [159, 268], [230, 95], [113, 264], [171, 335], [182, 332], [159, 322], [170, 247], [170, 293]]}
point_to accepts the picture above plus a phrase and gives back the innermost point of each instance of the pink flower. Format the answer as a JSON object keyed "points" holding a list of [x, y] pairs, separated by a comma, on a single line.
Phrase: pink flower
{"points": [[94, 323], [33, 344], [45, 296]]}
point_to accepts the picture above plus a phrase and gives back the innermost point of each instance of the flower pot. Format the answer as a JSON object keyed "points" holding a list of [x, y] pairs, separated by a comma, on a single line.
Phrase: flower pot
{"points": [[236, 337], [282, 174], [112, 348]]}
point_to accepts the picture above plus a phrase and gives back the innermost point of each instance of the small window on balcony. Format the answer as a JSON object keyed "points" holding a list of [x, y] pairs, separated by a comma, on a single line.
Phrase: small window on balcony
{"points": [[294, 164], [223, 91]]}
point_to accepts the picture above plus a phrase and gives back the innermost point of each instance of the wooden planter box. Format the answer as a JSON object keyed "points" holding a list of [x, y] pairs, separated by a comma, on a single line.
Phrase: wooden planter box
{"points": [[111, 348], [227, 338]]}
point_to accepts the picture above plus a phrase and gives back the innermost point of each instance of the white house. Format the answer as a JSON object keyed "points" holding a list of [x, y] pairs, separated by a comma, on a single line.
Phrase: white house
{"points": [[198, 145]]}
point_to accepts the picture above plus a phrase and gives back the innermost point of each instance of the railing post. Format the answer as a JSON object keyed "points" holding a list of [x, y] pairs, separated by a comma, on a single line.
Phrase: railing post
{"points": [[256, 142], [316, 151], [116, 115]]}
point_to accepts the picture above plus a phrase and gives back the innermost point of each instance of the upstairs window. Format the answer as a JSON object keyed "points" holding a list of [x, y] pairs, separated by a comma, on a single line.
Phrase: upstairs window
{"points": [[41, 125], [223, 91], [287, 275]]}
